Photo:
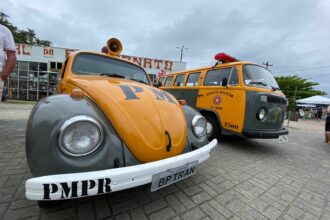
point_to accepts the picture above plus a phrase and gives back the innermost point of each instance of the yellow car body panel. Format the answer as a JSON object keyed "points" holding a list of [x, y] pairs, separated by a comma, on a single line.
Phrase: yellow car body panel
{"points": [[140, 122]]}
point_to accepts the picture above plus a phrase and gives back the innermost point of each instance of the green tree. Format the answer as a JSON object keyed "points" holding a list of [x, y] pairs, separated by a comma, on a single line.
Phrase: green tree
{"points": [[22, 36], [295, 84]]}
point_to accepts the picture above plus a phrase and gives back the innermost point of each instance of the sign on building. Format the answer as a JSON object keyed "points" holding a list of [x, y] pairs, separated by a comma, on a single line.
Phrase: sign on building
{"points": [[152, 66]]}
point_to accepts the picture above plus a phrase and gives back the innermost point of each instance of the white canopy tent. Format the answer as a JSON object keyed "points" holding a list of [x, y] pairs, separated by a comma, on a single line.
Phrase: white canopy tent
{"points": [[306, 105], [316, 100]]}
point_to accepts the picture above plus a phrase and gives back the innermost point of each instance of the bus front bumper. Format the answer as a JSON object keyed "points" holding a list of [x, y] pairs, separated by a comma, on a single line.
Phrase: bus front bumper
{"points": [[265, 134]]}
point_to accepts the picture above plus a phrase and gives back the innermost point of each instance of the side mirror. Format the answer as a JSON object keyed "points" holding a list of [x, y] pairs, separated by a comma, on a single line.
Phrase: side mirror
{"points": [[157, 84], [224, 82]]}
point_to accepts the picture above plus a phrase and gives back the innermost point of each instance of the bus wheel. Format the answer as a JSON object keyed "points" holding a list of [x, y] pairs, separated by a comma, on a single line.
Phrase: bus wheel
{"points": [[213, 128]]}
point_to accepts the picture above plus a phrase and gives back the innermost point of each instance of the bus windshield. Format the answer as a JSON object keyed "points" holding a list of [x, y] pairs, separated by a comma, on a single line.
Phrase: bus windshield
{"points": [[259, 77], [92, 64]]}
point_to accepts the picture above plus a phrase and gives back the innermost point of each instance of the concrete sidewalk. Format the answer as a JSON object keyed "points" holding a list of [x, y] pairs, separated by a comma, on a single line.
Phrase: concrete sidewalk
{"points": [[310, 125], [245, 179], [14, 111]]}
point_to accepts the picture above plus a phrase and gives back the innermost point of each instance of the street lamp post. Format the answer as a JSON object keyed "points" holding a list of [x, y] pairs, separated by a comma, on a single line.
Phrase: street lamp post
{"points": [[181, 49], [267, 64]]}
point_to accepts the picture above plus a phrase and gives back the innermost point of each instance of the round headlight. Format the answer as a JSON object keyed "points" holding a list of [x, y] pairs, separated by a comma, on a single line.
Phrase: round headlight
{"points": [[199, 125], [262, 114], [80, 136]]}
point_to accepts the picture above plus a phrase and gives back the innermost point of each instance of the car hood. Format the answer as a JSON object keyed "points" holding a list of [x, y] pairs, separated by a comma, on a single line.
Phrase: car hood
{"points": [[150, 121]]}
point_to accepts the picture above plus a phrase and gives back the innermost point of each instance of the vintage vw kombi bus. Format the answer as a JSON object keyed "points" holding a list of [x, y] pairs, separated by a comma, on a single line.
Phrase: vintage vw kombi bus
{"points": [[109, 129], [236, 97]]}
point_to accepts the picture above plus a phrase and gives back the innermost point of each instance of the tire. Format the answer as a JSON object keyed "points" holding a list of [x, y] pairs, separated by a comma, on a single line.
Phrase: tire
{"points": [[47, 204], [216, 128]]}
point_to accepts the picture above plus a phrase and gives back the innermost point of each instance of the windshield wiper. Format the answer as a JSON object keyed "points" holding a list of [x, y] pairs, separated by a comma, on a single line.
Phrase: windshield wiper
{"points": [[112, 75], [138, 80], [264, 84]]}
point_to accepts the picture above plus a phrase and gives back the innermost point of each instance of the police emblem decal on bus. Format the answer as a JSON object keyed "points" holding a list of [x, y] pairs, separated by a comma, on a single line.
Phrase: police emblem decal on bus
{"points": [[217, 100]]}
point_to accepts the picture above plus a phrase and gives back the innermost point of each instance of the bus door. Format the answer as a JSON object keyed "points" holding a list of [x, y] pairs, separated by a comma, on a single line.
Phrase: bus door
{"points": [[222, 94]]}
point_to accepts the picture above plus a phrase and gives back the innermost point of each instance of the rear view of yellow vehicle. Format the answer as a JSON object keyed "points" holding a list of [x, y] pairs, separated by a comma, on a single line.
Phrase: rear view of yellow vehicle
{"points": [[236, 97]]}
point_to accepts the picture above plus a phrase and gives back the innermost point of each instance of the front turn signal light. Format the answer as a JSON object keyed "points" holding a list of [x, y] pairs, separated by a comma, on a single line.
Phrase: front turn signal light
{"points": [[77, 94]]}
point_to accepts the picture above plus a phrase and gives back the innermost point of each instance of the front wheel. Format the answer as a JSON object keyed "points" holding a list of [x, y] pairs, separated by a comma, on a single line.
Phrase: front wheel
{"points": [[213, 128], [47, 204]]}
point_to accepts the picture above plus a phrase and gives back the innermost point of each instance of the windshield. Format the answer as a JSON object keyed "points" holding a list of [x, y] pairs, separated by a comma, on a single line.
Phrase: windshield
{"points": [[92, 64], [258, 76]]}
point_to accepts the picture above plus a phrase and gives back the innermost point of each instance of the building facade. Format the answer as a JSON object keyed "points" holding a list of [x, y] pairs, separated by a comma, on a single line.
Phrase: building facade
{"points": [[37, 67]]}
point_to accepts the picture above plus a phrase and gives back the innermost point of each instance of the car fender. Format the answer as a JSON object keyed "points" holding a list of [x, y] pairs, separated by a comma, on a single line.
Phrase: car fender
{"points": [[43, 153]]}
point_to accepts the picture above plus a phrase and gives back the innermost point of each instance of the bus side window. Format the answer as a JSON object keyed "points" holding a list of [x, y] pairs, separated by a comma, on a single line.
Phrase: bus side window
{"points": [[152, 77], [233, 79], [193, 79], [179, 80], [161, 80], [215, 77], [168, 81]]}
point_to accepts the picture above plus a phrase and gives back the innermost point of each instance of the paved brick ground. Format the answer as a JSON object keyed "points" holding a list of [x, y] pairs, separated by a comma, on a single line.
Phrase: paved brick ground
{"points": [[246, 179]]}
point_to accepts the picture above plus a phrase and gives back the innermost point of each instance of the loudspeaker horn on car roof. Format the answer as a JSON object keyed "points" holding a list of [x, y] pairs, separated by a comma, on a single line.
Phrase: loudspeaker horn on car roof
{"points": [[114, 46]]}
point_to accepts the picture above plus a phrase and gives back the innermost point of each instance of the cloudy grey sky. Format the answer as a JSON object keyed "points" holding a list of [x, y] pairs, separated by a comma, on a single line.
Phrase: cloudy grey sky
{"points": [[293, 35]]}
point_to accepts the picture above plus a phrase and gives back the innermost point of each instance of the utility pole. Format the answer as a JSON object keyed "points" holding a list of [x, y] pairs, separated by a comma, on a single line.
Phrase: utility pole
{"points": [[267, 64], [181, 49]]}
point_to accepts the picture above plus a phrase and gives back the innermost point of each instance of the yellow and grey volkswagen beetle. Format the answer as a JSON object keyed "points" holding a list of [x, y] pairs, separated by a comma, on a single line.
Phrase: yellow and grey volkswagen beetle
{"points": [[109, 129]]}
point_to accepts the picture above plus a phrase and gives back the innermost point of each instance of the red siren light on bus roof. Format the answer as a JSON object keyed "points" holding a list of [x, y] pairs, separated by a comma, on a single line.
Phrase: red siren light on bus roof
{"points": [[224, 58]]}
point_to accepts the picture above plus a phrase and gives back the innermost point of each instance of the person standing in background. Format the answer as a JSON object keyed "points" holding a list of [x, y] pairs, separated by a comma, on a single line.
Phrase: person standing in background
{"points": [[327, 126], [319, 113], [7, 55]]}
